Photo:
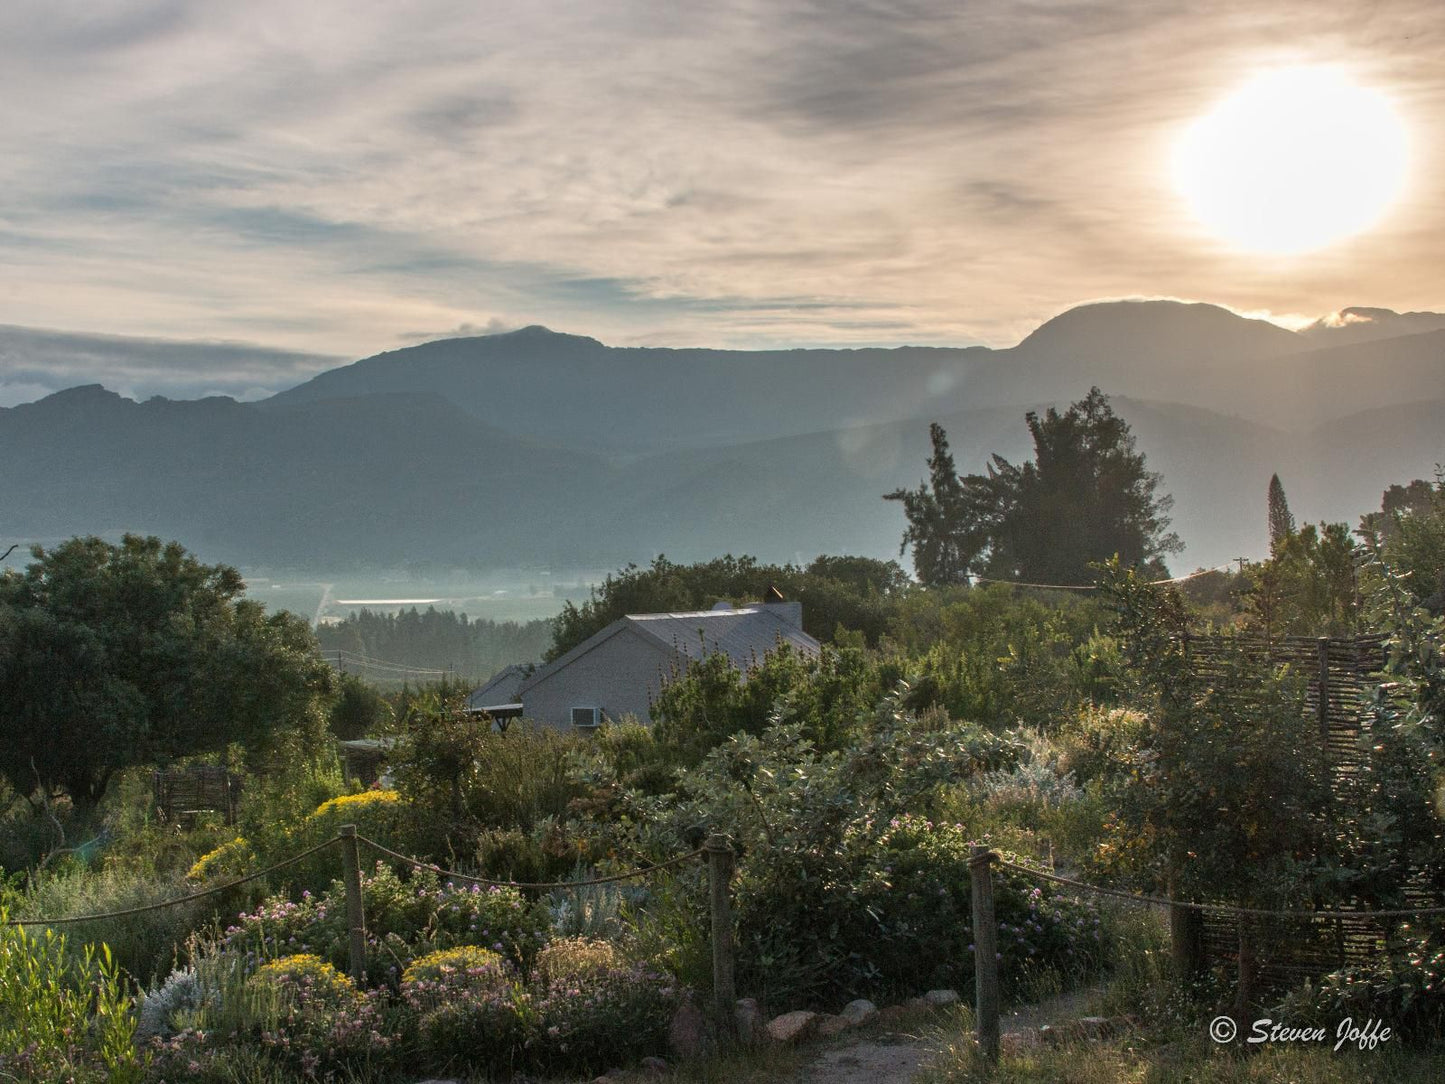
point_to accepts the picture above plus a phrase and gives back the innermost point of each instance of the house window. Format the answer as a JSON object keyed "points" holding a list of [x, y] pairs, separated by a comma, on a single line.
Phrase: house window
{"points": [[586, 717]]}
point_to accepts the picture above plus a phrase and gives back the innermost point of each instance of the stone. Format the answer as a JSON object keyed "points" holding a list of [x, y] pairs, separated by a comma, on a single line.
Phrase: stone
{"points": [[828, 1026], [939, 998], [793, 1026], [687, 1037], [859, 1012], [895, 1015], [654, 1066], [748, 1019]]}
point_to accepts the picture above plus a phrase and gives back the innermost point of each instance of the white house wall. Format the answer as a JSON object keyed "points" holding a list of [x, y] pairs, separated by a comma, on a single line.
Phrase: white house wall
{"points": [[617, 676]]}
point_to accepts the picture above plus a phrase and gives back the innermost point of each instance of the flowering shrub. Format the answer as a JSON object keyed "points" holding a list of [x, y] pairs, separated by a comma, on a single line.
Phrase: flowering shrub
{"points": [[231, 859], [575, 960], [376, 813], [467, 1000], [595, 1009], [404, 919], [315, 1018]]}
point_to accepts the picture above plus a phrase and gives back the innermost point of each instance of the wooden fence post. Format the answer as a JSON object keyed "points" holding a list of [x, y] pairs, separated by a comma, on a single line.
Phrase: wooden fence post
{"points": [[1186, 940], [985, 951], [720, 872], [355, 915]]}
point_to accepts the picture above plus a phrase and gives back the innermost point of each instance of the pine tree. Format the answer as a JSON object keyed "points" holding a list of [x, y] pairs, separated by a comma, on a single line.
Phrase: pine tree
{"points": [[936, 512], [1281, 522]]}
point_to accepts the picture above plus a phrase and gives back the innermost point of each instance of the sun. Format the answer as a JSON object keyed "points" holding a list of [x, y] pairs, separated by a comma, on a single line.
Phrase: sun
{"points": [[1295, 160]]}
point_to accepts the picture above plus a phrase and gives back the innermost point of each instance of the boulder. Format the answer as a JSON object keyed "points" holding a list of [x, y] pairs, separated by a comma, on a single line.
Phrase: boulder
{"points": [[687, 1037], [828, 1026], [654, 1066], [859, 1012], [793, 1026], [939, 998]]}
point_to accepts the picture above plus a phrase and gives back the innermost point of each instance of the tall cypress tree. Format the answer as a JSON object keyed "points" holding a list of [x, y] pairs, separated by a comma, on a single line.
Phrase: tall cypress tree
{"points": [[1281, 522]]}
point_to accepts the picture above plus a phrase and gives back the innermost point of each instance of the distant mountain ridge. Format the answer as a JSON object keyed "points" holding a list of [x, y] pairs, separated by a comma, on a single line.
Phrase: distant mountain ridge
{"points": [[536, 447]]}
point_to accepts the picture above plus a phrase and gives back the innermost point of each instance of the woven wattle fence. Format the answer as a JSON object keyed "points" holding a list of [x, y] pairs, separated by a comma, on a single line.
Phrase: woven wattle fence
{"points": [[1340, 676]]}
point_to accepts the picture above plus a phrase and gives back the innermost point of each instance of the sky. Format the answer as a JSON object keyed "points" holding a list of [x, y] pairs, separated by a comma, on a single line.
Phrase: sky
{"points": [[221, 198]]}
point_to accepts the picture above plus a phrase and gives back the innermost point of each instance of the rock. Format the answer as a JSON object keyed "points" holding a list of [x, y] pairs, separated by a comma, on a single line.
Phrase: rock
{"points": [[654, 1066], [792, 1026], [688, 1037], [939, 998], [828, 1026], [859, 1012], [749, 1021], [892, 1015]]}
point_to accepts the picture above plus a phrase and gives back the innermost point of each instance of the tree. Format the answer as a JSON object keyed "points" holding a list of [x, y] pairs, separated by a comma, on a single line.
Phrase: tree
{"points": [[837, 593], [115, 655], [1084, 498], [1307, 588], [1281, 522], [937, 512]]}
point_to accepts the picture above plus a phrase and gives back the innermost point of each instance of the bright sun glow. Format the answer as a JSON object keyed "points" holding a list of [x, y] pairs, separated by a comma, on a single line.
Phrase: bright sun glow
{"points": [[1295, 160]]}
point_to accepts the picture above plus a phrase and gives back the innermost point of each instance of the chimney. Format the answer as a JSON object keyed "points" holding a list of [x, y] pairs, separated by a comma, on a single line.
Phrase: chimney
{"points": [[790, 613]]}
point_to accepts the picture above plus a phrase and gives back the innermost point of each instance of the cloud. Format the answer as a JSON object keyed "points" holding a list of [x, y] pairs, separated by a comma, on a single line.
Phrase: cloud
{"points": [[464, 330], [35, 363], [329, 176]]}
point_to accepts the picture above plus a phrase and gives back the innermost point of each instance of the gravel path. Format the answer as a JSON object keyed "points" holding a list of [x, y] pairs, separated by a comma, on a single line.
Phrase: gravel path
{"points": [[894, 1058]]}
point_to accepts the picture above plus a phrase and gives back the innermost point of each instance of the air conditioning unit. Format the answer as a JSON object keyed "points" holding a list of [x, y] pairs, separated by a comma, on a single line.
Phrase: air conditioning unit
{"points": [[586, 717]]}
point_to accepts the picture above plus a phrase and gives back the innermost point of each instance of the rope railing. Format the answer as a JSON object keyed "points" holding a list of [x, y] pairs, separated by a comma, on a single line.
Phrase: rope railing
{"points": [[540, 885], [717, 849], [387, 851], [1095, 586], [1215, 908], [127, 912]]}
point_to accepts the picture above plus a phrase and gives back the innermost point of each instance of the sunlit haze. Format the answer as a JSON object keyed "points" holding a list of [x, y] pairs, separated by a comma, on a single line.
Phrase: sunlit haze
{"points": [[1294, 161]]}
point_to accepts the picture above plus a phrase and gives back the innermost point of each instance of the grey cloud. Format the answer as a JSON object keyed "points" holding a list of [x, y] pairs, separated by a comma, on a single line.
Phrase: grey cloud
{"points": [[329, 176], [36, 362]]}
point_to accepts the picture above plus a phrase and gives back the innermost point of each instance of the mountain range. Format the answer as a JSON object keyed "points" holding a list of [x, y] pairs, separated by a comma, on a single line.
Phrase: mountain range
{"points": [[534, 447]]}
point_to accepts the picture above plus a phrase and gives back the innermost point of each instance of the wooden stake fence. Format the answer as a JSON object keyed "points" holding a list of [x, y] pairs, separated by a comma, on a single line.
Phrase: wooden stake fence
{"points": [[355, 914], [720, 874], [985, 951]]}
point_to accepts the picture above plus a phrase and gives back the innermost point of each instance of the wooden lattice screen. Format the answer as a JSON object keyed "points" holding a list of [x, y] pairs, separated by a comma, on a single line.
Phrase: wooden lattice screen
{"points": [[1341, 675], [184, 792]]}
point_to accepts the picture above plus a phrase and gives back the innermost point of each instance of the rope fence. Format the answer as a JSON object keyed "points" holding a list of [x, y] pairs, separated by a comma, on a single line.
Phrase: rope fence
{"points": [[539, 885], [202, 894], [1215, 908]]}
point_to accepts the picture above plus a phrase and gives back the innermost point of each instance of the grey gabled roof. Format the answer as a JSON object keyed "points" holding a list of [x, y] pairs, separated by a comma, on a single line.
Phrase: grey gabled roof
{"points": [[501, 689], [745, 635]]}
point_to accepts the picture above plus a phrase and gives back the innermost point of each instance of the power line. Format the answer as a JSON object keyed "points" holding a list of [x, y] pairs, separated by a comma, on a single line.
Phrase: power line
{"points": [[1095, 586]]}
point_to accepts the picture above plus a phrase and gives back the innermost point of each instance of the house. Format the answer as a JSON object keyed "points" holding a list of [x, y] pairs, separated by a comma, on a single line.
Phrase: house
{"points": [[618, 671], [500, 697]]}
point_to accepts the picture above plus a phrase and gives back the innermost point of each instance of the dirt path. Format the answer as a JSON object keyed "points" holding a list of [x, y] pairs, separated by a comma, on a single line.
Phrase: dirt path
{"points": [[894, 1058]]}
